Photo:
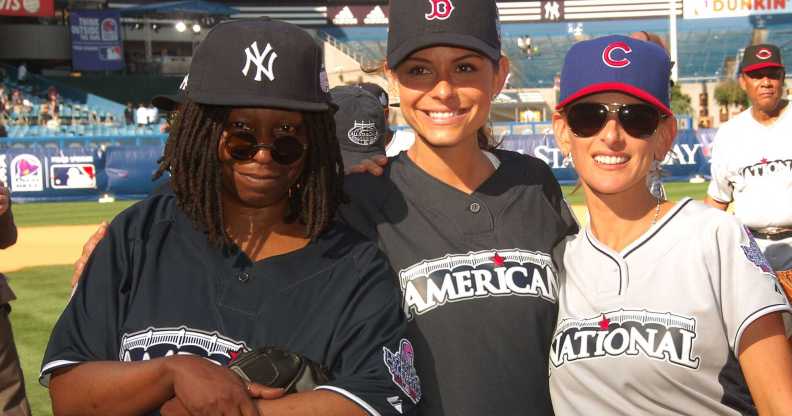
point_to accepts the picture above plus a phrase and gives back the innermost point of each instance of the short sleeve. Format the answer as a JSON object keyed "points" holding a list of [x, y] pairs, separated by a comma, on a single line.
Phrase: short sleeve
{"points": [[719, 189], [87, 328], [749, 289], [374, 364]]}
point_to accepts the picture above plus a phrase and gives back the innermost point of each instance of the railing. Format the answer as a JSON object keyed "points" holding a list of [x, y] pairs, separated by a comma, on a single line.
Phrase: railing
{"points": [[85, 141]]}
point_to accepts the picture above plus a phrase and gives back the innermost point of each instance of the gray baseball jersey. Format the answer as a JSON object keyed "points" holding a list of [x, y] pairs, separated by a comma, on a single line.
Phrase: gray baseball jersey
{"points": [[752, 167], [655, 329]]}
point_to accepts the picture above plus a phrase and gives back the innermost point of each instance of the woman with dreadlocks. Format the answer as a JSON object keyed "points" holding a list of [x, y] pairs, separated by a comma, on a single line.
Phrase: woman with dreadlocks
{"points": [[242, 253]]}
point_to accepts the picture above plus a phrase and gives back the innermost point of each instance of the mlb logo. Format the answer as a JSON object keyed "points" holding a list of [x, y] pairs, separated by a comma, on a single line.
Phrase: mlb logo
{"points": [[73, 176]]}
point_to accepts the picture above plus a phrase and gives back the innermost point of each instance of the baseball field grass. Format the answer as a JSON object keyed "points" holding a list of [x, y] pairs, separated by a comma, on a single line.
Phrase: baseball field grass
{"points": [[43, 291]]}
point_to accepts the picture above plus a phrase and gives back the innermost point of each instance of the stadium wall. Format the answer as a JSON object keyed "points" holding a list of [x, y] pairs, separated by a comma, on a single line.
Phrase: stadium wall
{"points": [[125, 172]]}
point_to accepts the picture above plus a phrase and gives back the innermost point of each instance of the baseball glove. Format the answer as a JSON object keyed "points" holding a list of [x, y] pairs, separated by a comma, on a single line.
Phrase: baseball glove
{"points": [[785, 278], [274, 367]]}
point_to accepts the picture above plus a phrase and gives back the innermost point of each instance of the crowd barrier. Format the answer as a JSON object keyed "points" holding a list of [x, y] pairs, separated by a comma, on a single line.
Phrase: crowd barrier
{"points": [[124, 171]]}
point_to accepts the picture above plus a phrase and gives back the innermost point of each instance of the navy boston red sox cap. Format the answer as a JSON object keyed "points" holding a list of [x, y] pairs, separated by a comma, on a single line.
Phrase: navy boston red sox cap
{"points": [[469, 24], [360, 124], [617, 63], [259, 63], [761, 56]]}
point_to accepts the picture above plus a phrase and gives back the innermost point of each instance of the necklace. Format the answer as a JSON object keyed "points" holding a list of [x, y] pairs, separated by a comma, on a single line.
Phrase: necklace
{"points": [[657, 213]]}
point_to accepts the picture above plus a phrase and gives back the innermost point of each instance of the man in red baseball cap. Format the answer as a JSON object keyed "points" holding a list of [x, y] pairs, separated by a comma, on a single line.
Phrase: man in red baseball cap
{"points": [[752, 158]]}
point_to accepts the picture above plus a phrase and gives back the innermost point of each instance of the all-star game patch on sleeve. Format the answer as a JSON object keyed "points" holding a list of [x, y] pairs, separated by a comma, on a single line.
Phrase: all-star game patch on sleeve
{"points": [[749, 289], [86, 330], [374, 361]]}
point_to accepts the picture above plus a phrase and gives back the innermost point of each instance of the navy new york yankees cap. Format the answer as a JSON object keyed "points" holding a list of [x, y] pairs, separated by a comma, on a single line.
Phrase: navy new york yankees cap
{"points": [[259, 63], [617, 63], [469, 24], [761, 56], [360, 124]]}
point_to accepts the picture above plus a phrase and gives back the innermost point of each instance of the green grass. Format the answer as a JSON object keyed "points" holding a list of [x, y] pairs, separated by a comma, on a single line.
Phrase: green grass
{"points": [[78, 213], [42, 293], [66, 213], [674, 190]]}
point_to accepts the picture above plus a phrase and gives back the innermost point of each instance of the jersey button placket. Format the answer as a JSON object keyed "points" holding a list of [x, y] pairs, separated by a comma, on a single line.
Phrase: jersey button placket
{"points": [[243, 277], [474, 207]]}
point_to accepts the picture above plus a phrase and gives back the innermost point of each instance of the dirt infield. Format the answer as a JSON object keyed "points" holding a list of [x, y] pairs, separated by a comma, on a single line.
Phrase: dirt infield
{"points": [[47, 246]]}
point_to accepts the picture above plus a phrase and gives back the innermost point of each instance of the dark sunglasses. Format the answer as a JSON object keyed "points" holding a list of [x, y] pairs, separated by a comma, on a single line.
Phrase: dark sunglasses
{"points": [[638, 120], [772, 73], [285, 150]]}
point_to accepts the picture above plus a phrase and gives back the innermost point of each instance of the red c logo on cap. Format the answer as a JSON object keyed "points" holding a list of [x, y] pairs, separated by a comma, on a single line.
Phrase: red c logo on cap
{"points": [[441, 10], [608, 52], [764, 53]]}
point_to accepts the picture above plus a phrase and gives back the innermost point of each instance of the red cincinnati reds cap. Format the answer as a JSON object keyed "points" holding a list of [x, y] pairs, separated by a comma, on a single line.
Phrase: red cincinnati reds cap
{"points": [[761, 56]]}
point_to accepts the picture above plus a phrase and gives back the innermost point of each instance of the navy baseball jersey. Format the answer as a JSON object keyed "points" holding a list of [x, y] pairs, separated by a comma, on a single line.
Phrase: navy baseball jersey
{"points": [[155, 287], [477, 278], [655, 329]]}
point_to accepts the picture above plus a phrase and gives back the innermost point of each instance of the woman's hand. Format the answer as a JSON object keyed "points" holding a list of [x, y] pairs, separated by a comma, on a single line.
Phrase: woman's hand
{"points": [[373, 166], [88, 248], [5, 199], [204, 388]]}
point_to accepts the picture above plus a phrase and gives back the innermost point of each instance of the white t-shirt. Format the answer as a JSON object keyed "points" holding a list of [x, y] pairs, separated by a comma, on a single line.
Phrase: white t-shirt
{"points": [[402, 140], [142, 115], [655, 329], [752, 166]]}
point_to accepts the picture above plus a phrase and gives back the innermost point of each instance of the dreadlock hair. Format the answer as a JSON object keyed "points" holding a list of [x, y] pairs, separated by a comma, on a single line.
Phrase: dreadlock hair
{"points": [[190, 156]]}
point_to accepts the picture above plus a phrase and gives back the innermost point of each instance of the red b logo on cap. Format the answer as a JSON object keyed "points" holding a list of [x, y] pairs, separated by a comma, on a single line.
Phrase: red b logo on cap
{"points": [[441, 10], [607, 55], [764, 53]]}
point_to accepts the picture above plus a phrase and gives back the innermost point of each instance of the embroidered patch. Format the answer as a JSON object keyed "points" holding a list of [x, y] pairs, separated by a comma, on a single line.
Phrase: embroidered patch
{"points": [[401, 366], [754, 254]]}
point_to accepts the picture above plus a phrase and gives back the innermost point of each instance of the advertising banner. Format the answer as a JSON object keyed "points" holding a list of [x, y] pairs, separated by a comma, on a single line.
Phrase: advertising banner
{"points": [[707, 9], [96, 40], [48, 173], [27, 8]]}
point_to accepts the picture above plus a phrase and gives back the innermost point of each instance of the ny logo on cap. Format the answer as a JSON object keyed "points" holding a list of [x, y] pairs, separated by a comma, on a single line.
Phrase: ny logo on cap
{"points": [[256, 58], [764, 53], [185, 80], [441, 10], [607, 55]]}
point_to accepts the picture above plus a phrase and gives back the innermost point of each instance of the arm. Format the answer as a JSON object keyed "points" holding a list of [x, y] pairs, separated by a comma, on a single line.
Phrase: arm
{"points": [[723, 206], [118, 388], [8, 231], [766, 362], [310, 403]]}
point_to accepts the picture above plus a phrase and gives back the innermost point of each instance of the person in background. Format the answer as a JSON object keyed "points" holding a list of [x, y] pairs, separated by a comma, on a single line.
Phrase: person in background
{"points": [[13, 401], [360, 124], [751, 162], [129, 114], [141, 115]]}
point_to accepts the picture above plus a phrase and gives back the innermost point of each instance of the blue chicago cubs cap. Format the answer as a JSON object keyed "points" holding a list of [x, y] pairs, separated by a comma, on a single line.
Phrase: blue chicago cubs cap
{"points": [[617, 63]]}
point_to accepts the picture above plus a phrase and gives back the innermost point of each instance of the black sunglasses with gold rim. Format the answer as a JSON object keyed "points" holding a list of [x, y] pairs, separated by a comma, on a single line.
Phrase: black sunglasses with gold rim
{"points": [[638, 120]]}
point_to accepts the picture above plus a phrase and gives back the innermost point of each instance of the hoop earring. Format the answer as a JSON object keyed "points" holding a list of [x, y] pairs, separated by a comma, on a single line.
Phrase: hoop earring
{"points": [[654, 181]]}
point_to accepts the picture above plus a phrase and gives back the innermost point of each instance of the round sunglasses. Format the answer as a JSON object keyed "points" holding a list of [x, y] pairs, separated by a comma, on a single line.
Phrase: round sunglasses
{"points": [[638, 120], [285, 150]]}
